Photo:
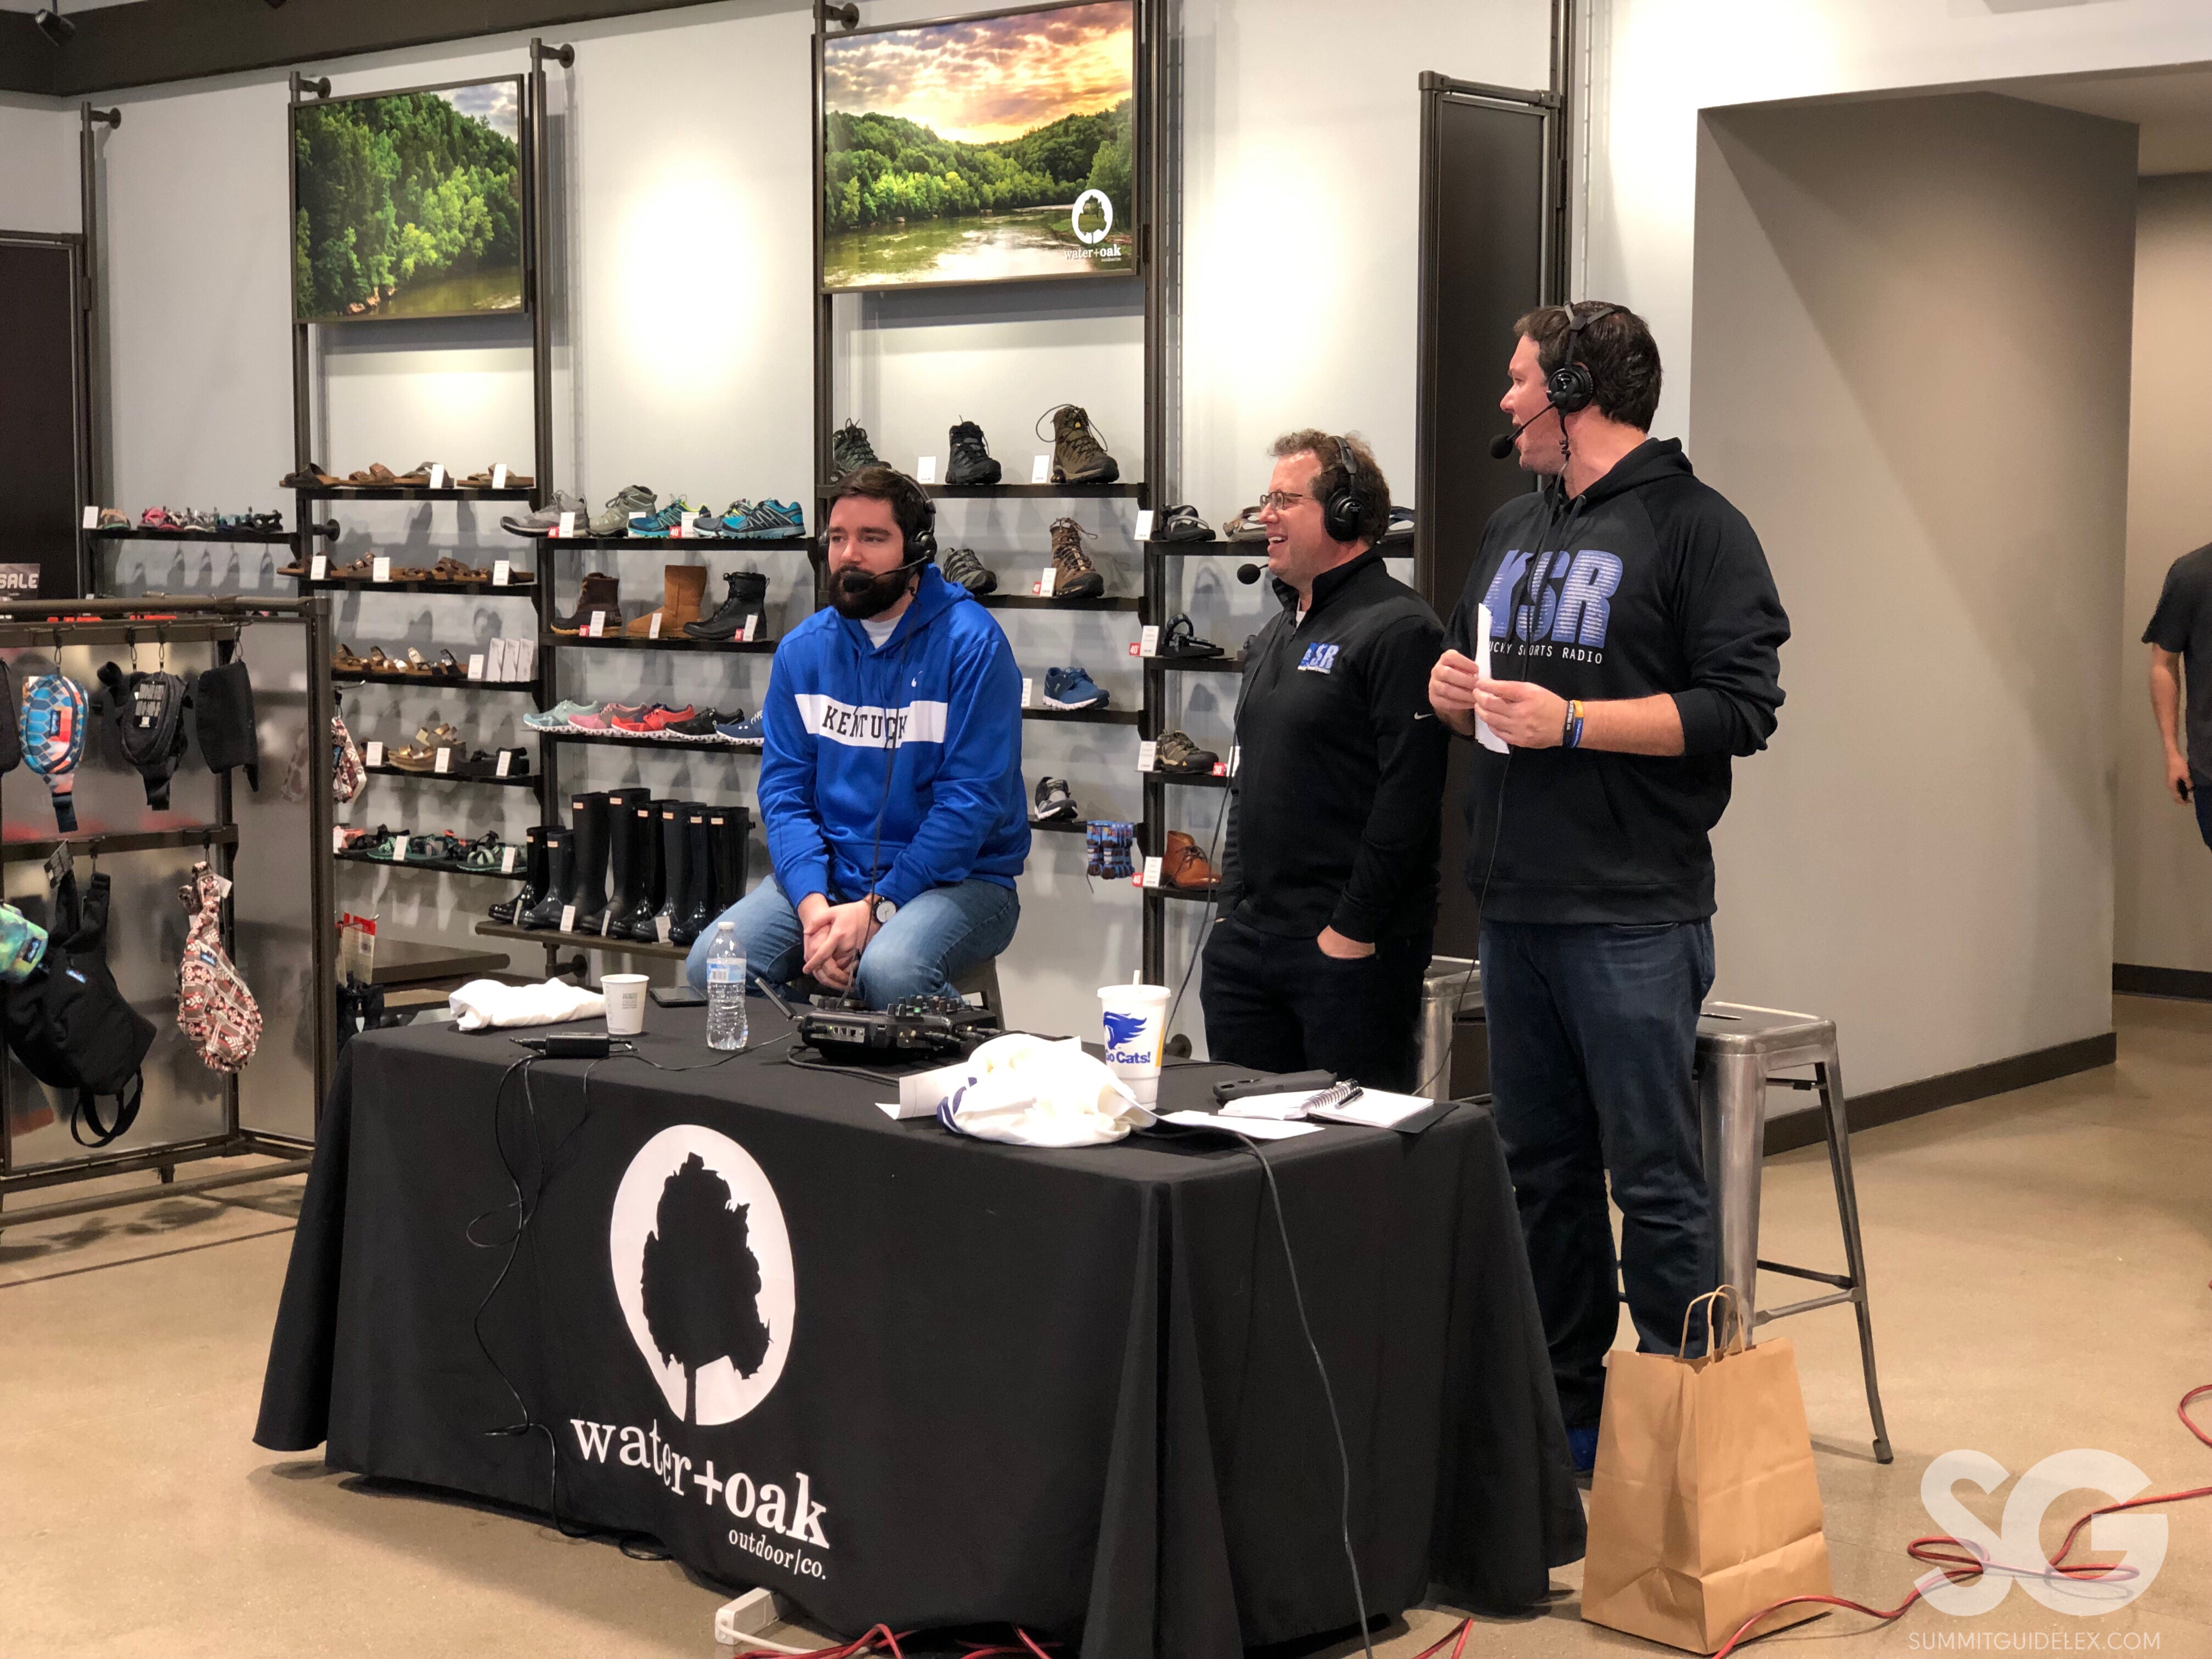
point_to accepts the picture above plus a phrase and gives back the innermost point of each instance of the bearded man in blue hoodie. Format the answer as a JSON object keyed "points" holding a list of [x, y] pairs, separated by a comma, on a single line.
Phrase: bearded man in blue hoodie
{"points": [[891, 771]]}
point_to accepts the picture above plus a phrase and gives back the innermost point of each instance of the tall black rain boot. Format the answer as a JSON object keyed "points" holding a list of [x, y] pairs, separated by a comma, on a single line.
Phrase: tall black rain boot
{"points": [[635, 920], [588, 818], [560, 878], [674, 863], [698, 907]]}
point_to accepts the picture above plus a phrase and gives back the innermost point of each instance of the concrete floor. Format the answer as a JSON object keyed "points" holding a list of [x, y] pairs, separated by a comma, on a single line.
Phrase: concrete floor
{"points": [[2037, 1262]]}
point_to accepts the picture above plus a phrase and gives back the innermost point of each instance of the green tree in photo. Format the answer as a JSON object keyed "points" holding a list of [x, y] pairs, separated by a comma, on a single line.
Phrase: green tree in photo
{"points": [[878, 169]]}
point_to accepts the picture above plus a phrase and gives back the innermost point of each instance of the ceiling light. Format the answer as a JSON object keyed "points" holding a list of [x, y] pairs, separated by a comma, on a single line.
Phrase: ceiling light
{"points": [[55, 26]]}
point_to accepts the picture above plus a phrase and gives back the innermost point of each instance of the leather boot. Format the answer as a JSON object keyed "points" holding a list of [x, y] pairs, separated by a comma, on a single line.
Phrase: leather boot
{"points": [[533, 878], [635, 920], [674, 864], [681, 588], [698, 912], [732, 826], [587, 863], [747, 597], [560, 875], [601, 592]]}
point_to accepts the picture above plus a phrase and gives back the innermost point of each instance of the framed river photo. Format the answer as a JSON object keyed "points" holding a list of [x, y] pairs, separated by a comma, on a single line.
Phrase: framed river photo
{"points": [[408, 204], [1000, 147]]}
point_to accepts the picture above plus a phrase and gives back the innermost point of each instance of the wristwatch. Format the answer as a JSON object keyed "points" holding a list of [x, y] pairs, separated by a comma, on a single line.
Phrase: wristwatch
{"points": [[881, 909]]}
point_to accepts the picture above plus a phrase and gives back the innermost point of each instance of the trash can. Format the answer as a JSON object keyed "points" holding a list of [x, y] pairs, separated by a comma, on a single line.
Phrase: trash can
{"points": [[1451, 993]]}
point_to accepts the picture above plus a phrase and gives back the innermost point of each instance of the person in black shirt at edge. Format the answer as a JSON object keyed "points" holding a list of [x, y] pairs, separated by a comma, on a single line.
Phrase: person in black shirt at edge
{"points": [[2180, 634], [1328, 889], [1635, 638]]}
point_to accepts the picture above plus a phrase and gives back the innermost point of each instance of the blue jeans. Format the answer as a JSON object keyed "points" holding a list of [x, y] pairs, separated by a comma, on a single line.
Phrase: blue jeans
{"points": [[1593, 1035], [942, 933]]}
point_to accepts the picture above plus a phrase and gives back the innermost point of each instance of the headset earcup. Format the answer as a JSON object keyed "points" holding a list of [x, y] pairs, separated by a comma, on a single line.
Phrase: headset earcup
{"points": [[1339, 516], [1571, 388]]}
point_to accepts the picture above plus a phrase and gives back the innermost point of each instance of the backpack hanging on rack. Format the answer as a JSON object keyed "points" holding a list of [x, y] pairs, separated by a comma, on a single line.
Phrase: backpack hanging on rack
{"points": [[71, 1025], [149, 712], [215, 1011], [55, 709]]}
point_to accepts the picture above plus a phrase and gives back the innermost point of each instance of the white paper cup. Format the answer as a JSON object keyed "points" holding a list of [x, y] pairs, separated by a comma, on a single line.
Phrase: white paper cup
{"points": [[1135, 1018], [625, 995]]}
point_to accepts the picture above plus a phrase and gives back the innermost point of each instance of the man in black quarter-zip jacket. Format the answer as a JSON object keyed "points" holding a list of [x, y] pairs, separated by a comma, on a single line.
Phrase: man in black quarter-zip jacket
{"points": [[1330, 887], [1635, 639]]}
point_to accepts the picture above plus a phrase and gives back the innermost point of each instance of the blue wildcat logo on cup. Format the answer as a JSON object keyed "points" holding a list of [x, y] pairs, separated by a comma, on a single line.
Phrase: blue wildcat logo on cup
{"points": [[1136, 1017]]}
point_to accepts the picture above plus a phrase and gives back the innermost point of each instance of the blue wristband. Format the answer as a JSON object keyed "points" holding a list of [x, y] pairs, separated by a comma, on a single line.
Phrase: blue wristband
{"points": [[1573, 736]]}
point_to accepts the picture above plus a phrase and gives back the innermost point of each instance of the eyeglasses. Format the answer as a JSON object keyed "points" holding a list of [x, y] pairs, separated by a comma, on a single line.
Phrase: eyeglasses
{"points": [[1281, 500]]}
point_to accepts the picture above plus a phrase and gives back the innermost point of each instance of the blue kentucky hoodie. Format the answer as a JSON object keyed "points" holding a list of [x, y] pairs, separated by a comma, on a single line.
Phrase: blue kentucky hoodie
{"points": [[924, 733]]}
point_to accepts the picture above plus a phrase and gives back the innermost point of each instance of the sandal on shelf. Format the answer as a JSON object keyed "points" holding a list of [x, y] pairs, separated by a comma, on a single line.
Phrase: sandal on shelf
{"points": [[416, 663], [159, 518], [269, 523], [350, 840], [440, 848], [408, 573], [482, 853], [450, 666], [450, 569], [308, 478], [345, 662], [377, 842], [440, 736], [483, 480], [377, 663], [297, 567], [359, 571], [408, 758], [417, 475]]}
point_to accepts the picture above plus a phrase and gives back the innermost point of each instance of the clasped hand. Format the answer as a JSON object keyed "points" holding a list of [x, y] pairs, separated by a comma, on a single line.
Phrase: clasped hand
{"points": [[1522, 713], [832, 938]]}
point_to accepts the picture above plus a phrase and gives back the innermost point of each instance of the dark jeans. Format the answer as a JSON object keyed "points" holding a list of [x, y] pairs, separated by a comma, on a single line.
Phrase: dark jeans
{"points": [[1593, 1034], [1279, 1004], [2200, 798]]}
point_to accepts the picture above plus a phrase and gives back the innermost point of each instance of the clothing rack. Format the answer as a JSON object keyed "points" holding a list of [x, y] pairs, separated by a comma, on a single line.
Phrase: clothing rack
{"points": [[62, 625]]}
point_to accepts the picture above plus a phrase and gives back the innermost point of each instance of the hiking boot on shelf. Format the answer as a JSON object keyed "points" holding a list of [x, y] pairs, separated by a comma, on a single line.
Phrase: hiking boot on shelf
{"points": [[1184, 866], [600, 592], [1075, 577], [850, 450], [747, 597], [662, 523], [1181, 524], [682, 588], [963, 569], [1054, 802], [1175, 752], [1180, 639], [1071, 688], [1077, 455], [1245, 526], [969, 463], [547, 519], [770, 520], [614, 519]]}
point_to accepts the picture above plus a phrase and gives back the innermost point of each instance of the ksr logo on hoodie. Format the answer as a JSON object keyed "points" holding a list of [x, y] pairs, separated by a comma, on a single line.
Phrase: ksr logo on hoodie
{"points": [[1570, 597]]}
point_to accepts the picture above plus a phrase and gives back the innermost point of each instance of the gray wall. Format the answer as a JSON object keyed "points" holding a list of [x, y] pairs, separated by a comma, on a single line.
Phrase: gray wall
{"points": [[2163, 880], [1914, 378]]}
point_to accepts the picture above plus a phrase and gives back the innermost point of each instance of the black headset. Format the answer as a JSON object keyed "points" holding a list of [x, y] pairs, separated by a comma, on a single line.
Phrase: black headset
{"points": [[1341, 513], [1571, 387]]}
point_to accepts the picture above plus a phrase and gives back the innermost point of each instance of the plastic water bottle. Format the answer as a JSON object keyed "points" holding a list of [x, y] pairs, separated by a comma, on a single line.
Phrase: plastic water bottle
{"points": [[725, 990]]}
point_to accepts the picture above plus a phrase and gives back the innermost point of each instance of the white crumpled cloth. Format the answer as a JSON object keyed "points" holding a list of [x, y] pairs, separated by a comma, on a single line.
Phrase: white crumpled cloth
{"points": [[485, 1003], [1033, 1092]]}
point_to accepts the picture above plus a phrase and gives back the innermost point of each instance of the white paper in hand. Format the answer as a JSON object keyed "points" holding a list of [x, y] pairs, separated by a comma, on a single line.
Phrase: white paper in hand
{"points": [[1488, 738]]}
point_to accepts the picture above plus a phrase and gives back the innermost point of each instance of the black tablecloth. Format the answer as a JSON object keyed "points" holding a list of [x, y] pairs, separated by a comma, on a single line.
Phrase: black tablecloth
{"points": [[1066, 1389]]}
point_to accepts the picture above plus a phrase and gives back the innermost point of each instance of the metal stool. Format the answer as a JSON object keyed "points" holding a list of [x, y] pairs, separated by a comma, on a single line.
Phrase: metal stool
{"points": [[982, 982], [1739, 1050]]}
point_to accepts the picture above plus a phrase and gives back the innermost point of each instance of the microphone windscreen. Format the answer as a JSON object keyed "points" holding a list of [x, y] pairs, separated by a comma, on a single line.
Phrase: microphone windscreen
{"points": [[1249, 574], [1501, 445]]}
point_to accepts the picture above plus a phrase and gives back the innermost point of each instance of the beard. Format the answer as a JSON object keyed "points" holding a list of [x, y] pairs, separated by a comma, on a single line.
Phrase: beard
{"points": [[861, 595]]}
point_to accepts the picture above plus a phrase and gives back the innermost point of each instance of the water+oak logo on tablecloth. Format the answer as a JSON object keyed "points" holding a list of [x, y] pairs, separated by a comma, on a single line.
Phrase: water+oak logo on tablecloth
{"points": [[703, 1270]]}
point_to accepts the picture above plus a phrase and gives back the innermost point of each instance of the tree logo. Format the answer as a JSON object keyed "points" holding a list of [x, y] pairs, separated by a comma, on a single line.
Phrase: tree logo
{"points": [[702, 1269], [1091, 238]]}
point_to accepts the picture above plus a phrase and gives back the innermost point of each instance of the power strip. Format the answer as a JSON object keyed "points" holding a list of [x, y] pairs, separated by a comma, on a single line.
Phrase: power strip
{"points": [[744, 1619]]}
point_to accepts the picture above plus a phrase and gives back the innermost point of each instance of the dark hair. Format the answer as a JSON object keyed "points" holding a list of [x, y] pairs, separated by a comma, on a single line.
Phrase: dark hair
{"points": [[1372, 488], [1617, 349], [876, 482]]}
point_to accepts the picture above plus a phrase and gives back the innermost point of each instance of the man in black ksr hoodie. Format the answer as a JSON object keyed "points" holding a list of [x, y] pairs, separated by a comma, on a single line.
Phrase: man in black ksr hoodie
{"points": [[1635, 637]]}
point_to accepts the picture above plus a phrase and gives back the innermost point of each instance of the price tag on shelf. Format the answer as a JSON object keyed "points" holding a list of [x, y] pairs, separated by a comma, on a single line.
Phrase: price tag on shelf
{"points": [[1146, 753], [653, 626], [319, 568], [1145, 524], [662, 924], [379, 569], [91, 518], [567, 526], [1148, 643], [681, 528], [499, 476], [1028, 685], [1221, 769], [476, 665], [337, 838], [924, 472], [502, 572], [373, 756], [568, 918], [752, 626], [437, 477], [399, 850], [506, 760], [1041, 469], [1042, 586], [598, 629], [506, 854], [444, 763], [1151, 875]]}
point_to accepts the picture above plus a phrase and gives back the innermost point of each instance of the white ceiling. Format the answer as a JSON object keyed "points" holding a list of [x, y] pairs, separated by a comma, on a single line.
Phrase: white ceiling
{"points": [[2172, 107]]}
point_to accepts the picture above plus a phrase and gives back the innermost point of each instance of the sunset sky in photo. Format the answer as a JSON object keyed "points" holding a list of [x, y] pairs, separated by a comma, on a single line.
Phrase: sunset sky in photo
{"points": [[989, 79]]}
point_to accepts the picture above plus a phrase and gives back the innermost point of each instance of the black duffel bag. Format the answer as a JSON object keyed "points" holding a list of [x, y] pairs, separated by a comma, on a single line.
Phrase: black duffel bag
{"points": [[69, 1024]]}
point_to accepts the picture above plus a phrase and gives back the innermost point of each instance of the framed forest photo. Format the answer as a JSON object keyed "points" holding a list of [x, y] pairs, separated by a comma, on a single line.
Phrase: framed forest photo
{"points": [[408, 203], [995, 148]]}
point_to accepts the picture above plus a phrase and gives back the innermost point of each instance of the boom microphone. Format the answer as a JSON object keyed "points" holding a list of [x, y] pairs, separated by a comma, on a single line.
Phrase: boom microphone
{"points": [[1502, 445], [1249, 574]]}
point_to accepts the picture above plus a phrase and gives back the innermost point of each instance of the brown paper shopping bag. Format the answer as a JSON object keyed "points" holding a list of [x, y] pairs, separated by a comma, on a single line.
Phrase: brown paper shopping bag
{"points": [[1703, 1508]]}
